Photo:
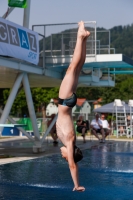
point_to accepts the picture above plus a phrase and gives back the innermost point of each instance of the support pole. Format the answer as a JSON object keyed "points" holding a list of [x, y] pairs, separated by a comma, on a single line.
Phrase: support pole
{"points": [[9, 10], [31, 107], [26, 17], [38, 148], [10, 100], [49, 129], [19, 128]]}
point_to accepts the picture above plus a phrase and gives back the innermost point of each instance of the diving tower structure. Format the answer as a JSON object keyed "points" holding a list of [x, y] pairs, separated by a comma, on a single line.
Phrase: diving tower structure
{"points": [[56, 44]]}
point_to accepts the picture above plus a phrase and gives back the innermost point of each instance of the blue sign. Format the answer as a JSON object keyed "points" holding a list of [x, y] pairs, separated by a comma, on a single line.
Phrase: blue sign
{"points": [[18, 42]]}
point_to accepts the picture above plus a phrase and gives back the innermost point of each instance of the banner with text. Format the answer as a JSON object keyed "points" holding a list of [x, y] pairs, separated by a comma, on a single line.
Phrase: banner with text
{"points": [[18, 42]]}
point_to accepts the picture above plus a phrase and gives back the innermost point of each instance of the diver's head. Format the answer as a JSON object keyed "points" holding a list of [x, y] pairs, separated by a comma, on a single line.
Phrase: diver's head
{"points": [[97, 115], [64, 153], [77, 154]]}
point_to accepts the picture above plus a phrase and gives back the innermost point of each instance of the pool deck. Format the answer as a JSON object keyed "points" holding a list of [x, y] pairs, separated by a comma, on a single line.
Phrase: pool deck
{"points": [[20, 148]]}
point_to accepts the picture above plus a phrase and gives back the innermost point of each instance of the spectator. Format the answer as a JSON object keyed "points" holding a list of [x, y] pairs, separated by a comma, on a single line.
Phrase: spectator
{"points": [[128, 120], [53, 130], [105, 124], [97, 127], [82, 127], [121, 130]]}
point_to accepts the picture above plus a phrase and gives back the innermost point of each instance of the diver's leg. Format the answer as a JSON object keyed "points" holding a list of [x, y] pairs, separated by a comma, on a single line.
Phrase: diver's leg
{"points": [[68, 83], [83, 134], [79, 68]]}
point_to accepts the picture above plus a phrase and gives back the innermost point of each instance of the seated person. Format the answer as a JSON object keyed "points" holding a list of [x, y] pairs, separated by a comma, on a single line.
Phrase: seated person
{"points": [[128, 120], [121, 130], [105, 124], [97, 127], [82, 127], [53, 130]]}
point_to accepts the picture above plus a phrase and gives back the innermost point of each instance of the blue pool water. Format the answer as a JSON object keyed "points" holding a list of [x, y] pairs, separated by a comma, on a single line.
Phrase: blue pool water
{"points": [[106, 172]]}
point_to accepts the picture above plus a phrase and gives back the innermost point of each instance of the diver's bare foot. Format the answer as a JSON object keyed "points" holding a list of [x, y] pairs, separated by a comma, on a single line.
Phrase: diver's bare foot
{"points": [[87, 33], [82, 32]]}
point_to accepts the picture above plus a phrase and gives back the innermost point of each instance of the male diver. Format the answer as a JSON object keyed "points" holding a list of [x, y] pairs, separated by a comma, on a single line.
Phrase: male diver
{"points": [[67, 100]]}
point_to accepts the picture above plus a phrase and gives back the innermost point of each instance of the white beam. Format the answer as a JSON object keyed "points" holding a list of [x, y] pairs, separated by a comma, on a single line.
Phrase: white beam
{"points": [[26, 17], [19, 128], [10, 100], [31, 107], [49, 129]]}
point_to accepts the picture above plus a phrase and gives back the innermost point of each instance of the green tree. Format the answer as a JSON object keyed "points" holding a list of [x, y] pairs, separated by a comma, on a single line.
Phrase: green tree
{"points": [[41, 97], [19, 106]]}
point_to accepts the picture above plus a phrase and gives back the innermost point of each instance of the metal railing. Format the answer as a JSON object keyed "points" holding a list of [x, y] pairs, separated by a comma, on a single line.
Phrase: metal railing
{"points": [[59, 40]]}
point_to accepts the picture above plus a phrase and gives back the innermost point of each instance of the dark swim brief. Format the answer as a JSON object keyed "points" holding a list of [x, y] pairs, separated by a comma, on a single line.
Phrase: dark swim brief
{"points": [[70, 102], [77, 154]]}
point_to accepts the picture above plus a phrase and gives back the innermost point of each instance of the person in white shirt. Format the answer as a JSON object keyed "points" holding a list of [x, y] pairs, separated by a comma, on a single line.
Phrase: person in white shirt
{"points": [[105, 124], [97, 127]]}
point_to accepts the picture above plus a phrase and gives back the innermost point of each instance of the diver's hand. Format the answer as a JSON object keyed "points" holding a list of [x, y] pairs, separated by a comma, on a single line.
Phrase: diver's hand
{"points": [[79, 189]]}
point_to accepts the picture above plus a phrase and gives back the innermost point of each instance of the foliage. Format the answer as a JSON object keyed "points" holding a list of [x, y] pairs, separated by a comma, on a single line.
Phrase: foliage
{"points": [[121, 39], [39, 95], [123, 89], [19, 106]]}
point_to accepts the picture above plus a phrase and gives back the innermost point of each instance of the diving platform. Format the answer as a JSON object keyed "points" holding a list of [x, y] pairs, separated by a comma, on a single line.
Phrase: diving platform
{"points": [[97, 71]]}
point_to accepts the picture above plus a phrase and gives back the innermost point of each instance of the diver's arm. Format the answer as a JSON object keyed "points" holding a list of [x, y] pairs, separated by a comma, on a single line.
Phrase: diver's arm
{"points": [[73, 167]]}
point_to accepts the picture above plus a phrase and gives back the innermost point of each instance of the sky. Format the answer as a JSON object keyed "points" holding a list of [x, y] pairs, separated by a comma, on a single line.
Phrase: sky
{"points": [[107, 13]]}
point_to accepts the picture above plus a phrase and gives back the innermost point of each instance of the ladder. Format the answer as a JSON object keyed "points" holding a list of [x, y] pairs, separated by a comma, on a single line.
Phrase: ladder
{"points": [[130, 126], [121, 118]]}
